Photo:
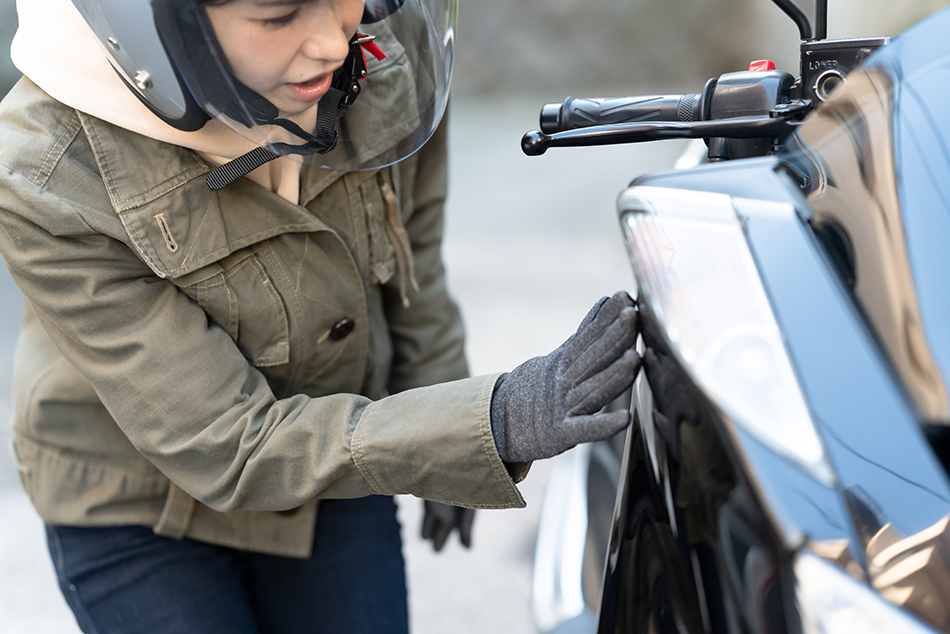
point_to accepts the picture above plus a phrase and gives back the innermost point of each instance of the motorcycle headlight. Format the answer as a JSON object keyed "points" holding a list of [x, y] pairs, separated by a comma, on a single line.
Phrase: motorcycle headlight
{"points": [[832, 602], [694, 267]]}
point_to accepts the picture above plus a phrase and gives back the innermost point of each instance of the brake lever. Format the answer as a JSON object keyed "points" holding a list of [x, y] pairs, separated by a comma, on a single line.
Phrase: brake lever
{"points": [[536, 143]]}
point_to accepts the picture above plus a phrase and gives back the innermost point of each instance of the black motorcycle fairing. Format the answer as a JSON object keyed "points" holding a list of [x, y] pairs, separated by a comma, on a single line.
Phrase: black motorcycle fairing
{"points": [[890, 487], [749, 178], [881, 202], [706, 534], [649, 583], [894, 491]]}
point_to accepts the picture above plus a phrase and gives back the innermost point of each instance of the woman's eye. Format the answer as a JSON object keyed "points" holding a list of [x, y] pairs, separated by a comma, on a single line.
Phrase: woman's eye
{"points": [[283, 20]]}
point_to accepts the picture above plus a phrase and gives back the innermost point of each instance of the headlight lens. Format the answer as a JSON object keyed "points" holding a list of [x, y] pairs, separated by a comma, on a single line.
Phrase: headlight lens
{"points": [[694, 268], [832, 602]]}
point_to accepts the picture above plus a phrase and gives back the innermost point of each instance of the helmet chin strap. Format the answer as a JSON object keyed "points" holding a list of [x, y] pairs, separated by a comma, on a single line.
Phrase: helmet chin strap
{"points": [[331, 107], [343, 91]]}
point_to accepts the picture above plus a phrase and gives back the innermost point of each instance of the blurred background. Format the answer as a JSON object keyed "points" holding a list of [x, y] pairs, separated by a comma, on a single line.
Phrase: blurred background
{"points": [[531, 244]]}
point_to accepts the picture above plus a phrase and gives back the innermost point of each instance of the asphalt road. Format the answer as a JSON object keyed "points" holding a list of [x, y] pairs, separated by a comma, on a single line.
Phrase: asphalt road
{"points": [[531, 244]]}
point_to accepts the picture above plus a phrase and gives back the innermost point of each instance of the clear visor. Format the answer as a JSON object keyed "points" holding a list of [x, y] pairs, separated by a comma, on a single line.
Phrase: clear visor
{"points": [[407, 46]]}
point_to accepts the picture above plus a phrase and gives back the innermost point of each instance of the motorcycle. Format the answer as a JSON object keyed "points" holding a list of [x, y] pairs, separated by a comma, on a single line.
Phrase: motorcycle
{"points": [[786, 468]]}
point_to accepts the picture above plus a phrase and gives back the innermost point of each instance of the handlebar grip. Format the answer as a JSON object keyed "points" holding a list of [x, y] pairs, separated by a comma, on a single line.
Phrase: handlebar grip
{"points": [[581, 113]]}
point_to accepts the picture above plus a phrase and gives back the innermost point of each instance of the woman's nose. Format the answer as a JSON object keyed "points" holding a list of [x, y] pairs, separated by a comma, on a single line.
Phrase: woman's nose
{"points": [[327, 41]]}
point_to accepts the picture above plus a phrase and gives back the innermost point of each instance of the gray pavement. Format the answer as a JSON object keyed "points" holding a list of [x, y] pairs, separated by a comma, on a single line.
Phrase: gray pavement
{"points": [[531, 244]]}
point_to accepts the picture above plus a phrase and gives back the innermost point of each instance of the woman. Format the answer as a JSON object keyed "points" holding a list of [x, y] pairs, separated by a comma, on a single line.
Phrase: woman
{"points": [[226, 220]]}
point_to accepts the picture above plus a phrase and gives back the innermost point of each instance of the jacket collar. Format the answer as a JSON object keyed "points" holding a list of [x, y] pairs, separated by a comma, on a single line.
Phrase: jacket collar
{"points": [[174, 221]]}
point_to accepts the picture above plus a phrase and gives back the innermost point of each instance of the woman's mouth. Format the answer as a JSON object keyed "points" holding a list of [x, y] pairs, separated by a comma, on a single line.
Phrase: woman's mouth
{"points": [[312, 89]]}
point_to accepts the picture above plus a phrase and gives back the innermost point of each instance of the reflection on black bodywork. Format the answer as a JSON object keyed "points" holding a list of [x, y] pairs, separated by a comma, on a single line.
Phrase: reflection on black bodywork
{"points": [[849, 156], [913, 571], [847, 150], [909, 571], [667, 566]]}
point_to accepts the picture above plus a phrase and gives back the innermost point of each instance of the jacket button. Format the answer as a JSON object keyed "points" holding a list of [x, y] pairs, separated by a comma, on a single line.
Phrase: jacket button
{"points": [[342, 329]]}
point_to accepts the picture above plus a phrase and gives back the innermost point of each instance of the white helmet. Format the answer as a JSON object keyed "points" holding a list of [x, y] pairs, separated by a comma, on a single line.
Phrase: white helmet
{"points": [[168, 54]]}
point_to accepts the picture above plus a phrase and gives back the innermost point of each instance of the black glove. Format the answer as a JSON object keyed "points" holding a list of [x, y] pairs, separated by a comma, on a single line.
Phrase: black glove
{"points": [[549, 404], [440, 519]]}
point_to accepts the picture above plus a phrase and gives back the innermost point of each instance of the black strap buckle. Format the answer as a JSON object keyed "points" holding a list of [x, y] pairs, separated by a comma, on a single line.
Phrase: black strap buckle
{"points": [[348, 77]]}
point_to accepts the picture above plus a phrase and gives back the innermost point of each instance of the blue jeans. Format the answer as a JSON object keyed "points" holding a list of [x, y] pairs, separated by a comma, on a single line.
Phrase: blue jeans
{"points": [[125, 579]]}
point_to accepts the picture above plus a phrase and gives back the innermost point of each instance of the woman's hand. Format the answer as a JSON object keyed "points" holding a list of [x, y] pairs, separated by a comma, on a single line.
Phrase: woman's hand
{"points": [[441, 519], [549, 404]]}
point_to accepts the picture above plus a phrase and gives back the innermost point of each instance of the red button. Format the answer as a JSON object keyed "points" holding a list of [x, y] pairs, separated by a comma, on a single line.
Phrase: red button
{"points": [[762, 64]]}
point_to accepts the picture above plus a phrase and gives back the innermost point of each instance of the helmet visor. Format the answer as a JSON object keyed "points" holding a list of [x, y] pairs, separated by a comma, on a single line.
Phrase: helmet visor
{"points": [[405, 48]]}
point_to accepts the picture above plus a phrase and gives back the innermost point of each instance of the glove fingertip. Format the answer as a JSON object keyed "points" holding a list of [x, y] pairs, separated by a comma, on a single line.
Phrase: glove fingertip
{"points": [[466, 520], [427, 526], [439, 539], [629, 314], [617, 420], [623, 297], [593, 312]]}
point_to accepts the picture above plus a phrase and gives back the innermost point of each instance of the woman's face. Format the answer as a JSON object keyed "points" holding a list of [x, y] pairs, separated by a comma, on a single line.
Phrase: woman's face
{"points": [[286, 50]]}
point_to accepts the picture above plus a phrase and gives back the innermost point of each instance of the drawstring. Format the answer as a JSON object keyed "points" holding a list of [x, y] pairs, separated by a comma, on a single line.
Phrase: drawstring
{"points": [[399, 239]]}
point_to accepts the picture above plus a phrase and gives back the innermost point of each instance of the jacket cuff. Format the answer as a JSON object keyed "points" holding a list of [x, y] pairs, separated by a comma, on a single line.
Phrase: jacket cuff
{"points": [[436, 443]]}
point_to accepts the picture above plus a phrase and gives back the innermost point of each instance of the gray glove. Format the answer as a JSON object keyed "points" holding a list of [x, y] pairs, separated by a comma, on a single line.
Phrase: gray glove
{"points": [[440, 519], [549, 404]]}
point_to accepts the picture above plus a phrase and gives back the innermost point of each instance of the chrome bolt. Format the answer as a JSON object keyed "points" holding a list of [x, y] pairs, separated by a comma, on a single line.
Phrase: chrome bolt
{"points": [[113, 43], [142, 80]]}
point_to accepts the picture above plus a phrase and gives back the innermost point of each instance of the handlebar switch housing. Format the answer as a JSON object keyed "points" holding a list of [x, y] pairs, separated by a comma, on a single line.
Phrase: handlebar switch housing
{"points": [[747, 94], [826, 63]]}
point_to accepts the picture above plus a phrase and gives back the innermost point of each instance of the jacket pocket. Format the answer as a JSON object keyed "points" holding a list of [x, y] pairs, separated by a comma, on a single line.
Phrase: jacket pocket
{"points": [[237, 294]]}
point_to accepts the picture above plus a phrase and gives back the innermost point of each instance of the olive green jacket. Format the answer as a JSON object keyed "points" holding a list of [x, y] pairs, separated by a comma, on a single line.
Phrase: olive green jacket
{"points": [[213, 363]]}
